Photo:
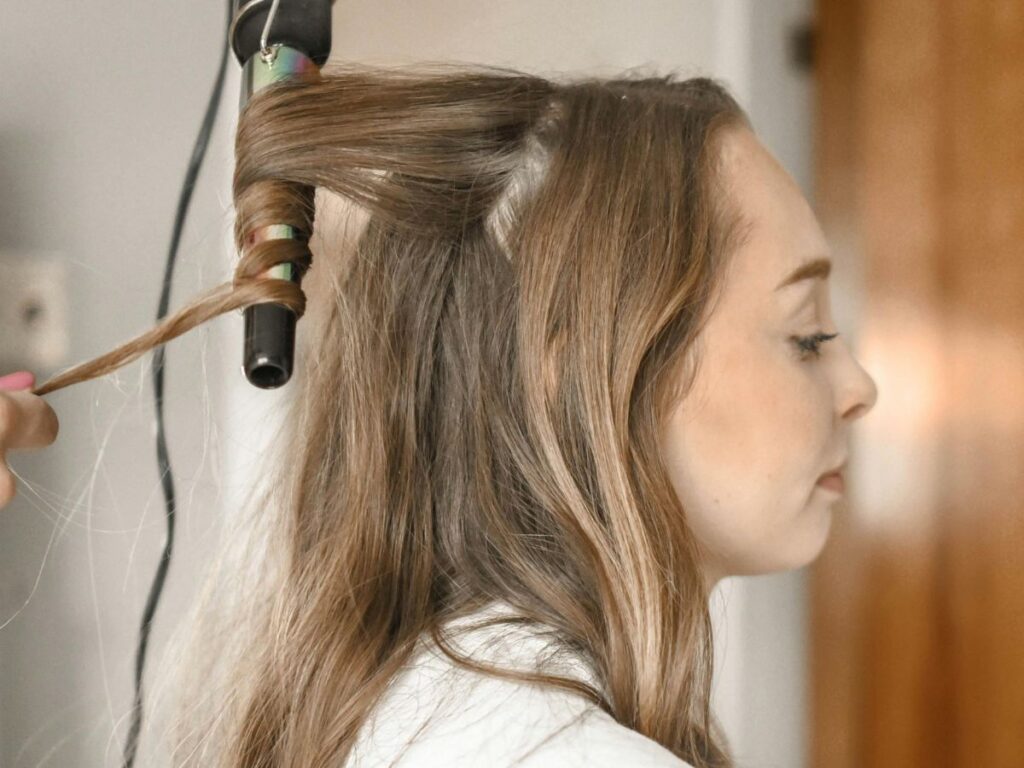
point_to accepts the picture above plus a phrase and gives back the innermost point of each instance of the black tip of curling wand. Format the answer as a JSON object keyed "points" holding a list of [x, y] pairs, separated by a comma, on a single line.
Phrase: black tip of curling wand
{"points": [[301, 29], [269, 345]]}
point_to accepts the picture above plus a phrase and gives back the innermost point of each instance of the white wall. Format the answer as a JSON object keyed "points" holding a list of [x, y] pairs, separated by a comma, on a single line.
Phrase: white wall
{"points": [[94, 142]]}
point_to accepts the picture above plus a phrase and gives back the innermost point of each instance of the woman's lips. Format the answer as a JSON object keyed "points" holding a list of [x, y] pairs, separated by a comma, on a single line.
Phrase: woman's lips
{"points": [[833, 481]]}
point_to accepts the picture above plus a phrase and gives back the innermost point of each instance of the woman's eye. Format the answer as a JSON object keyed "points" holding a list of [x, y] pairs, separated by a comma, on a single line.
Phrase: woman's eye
{"points": [[810, 346]]}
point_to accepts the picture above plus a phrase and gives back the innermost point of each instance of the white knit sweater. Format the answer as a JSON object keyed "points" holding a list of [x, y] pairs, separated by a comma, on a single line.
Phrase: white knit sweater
{"points": [[461, 719]]}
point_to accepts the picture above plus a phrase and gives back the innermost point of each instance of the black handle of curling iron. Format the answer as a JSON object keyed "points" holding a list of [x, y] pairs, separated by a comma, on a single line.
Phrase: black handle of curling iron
{"points": [[303, 27]]}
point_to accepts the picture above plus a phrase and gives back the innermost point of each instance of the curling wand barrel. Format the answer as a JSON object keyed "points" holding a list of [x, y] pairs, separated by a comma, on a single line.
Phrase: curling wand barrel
{"points": [[276, 40]]}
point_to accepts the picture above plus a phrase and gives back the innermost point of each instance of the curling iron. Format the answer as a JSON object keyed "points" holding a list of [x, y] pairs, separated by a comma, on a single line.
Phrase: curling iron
{"points": [[275, 40]]}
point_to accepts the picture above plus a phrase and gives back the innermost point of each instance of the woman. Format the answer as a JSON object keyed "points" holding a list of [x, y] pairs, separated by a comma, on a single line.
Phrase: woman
{"points": [[564, 381]]}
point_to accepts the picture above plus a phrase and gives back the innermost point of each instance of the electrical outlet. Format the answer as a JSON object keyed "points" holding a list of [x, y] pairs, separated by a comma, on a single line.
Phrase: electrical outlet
{"points": [[33, 311]]}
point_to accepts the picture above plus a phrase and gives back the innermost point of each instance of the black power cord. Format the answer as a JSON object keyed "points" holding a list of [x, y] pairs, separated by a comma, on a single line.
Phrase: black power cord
{"points": [[166, 478]]}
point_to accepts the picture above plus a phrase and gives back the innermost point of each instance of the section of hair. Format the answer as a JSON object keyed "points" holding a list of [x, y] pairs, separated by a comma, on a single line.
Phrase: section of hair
{"points": [[478, 415]]}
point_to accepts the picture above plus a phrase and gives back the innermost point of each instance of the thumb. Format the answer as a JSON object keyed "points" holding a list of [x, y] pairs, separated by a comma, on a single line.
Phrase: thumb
{"points": [[19, 380]]}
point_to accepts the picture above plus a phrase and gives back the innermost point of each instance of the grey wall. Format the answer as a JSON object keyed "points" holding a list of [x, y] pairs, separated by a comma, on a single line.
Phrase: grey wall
{"points": [[94, 141], [97, 122]]}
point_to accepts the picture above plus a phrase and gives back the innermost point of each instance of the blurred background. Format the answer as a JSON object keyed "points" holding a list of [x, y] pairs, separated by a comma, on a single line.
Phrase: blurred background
{"points": [[902, 645]]}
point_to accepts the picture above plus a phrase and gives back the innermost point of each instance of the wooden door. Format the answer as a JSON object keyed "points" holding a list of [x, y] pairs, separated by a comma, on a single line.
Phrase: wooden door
{"points": [[917, 615]]}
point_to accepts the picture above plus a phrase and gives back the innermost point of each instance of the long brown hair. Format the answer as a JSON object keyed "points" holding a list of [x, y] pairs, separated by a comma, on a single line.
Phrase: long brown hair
{"points": [[477, 417]]}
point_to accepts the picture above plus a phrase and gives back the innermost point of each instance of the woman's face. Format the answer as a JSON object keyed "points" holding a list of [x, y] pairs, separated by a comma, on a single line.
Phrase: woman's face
{"points": [[746, 446]]}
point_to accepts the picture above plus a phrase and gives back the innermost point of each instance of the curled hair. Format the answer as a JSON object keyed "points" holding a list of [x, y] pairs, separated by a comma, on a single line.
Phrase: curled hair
{"points": [[477, 417]]}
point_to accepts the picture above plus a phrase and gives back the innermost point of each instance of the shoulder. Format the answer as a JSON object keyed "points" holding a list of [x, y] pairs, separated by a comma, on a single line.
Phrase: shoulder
{"points": [[598, 741], [439, 716]]}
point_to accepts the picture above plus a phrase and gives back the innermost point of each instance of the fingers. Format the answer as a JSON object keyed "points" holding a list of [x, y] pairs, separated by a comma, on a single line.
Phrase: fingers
{"points": [[18, 380], [27, 422]]}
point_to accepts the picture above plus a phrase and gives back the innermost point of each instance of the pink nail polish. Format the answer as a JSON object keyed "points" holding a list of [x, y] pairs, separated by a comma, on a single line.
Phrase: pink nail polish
{"points": [[19, 380]]}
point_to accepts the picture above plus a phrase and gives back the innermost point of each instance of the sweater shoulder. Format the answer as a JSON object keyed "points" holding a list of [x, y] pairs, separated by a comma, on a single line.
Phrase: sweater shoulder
{"points": [[439, 715], [484, 721], [598, 741]]}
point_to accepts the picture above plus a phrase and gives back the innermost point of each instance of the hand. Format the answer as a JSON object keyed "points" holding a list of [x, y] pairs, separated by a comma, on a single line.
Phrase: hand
{"points": [[27, 422]]}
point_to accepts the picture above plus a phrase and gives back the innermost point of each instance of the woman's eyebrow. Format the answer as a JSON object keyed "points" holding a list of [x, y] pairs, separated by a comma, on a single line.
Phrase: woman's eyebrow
{"points": [[819, 268]]}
